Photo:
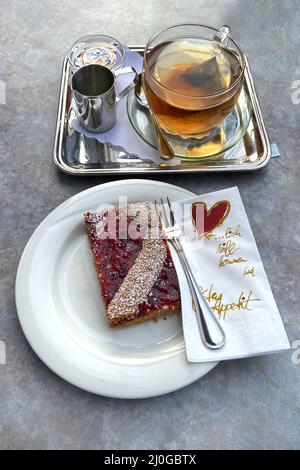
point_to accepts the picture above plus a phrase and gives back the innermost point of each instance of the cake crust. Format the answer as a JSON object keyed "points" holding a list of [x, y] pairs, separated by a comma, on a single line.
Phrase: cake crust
{"points": [[137, 276]]}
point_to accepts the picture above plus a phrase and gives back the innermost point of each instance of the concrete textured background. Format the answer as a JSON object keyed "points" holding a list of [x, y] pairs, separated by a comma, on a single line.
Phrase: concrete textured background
{"points": [[248, 404]]}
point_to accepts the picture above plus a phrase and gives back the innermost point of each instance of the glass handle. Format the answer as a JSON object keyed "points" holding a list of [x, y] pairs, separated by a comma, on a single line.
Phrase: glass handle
{"points": [[130, 87], [222, 35]]}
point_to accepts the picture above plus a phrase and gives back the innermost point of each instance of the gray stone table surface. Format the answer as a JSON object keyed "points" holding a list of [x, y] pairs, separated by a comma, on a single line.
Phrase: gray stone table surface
{"points": [[253, 403]]}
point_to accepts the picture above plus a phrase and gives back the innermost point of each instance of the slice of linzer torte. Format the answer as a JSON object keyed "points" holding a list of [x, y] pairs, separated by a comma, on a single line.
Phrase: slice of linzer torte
{"points": [[134, 266]]}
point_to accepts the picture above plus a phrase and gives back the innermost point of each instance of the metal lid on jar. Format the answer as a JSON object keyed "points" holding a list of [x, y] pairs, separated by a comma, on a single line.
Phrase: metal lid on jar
{"points": [[97, 49]]}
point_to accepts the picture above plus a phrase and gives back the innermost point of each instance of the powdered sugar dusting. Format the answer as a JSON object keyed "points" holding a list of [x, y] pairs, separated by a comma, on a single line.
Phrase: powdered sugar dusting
{"points": [[139, 280], [137, 284]]}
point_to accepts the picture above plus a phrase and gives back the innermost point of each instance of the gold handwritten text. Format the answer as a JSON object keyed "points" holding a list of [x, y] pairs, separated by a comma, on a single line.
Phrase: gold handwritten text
{"points": [[224, 261], [219, 306], [230, 232], [227, 248], [249, 271]]}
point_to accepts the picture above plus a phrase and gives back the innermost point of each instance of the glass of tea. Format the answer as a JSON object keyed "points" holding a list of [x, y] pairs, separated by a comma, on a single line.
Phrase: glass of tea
{"points": [[192, 78]]}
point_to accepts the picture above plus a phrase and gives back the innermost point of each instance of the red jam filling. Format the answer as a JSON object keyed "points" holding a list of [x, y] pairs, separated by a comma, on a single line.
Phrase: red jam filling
{"points": [[116, 256]]}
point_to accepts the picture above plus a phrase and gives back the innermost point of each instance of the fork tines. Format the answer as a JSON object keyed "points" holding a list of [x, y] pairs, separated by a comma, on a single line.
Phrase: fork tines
{"points": [[165, 212]]}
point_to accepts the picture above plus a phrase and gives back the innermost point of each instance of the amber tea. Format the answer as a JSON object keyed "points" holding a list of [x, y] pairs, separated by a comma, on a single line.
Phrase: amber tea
{"points": [[191, 84]]}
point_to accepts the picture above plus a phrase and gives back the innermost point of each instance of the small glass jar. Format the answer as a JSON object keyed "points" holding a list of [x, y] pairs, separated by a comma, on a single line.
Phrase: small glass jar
{"points": [[97, 49]]}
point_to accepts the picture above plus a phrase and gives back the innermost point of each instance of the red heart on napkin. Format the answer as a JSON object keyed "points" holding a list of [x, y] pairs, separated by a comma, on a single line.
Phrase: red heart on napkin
{"points": [[206, 220]]}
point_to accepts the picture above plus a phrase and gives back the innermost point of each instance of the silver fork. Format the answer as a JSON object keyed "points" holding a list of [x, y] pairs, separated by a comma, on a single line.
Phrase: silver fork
{"points": [[212, 333]]}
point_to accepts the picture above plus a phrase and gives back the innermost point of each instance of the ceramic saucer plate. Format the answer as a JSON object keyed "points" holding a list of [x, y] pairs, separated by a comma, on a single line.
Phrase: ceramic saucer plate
{"points": [[63, 317]]}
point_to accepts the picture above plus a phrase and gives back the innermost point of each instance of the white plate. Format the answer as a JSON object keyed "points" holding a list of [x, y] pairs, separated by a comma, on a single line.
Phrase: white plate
{"points": [[63, 317]]}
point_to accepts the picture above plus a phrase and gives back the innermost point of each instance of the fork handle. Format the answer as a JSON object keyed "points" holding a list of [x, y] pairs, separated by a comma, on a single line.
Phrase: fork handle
{"points": [[211, 332]]}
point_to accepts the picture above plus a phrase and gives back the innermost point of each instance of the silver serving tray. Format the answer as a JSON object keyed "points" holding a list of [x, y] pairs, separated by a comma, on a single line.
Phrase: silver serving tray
{"points": [[77, 155]]}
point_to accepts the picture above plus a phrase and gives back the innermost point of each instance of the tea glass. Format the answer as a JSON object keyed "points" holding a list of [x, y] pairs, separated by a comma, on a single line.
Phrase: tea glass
{"points": [[192, 78]]}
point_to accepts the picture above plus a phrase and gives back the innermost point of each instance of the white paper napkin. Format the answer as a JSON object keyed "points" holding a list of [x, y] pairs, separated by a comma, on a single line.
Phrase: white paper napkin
{"points": [[228, 267]]}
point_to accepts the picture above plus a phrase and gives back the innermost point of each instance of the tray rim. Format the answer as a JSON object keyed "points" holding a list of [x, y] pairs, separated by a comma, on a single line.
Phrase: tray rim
{"points": [[200, 168]]}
